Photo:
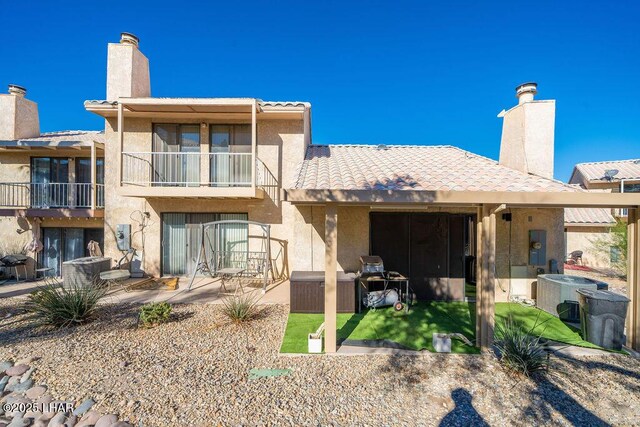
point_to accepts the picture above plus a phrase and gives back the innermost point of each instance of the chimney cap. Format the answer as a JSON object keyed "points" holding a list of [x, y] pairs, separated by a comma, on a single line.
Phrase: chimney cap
{"points": [[17, 90], [527, 87], [129, 38]]}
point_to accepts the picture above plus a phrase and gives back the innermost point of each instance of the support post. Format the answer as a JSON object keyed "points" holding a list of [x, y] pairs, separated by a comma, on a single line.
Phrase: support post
{"points": [[120, 145], [93, 175], [633, 278], [72, 194], [254, 144], [205, 156], [479, 276], [485, 298], [330, 277]]}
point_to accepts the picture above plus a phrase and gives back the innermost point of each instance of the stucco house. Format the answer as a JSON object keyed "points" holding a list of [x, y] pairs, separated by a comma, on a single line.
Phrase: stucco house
{"points": [[174, 163], [51, 185]]}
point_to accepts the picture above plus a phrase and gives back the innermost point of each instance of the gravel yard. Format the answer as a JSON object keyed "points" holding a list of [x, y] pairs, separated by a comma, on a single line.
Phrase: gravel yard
{"points": [[195, 371]]}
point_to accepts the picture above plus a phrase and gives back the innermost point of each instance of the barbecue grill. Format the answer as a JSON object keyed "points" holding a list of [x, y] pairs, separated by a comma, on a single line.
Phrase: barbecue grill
{"points": [[15, 261], [388, 283]]}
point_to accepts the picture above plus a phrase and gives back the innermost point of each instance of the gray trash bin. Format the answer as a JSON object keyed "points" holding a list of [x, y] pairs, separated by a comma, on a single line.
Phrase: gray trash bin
{"points": [[602, 316]]}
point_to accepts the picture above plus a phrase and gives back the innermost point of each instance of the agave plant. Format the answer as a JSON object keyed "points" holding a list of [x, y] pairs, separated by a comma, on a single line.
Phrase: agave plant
{"points": [[520, 350], [61, 307], [240, 308]]}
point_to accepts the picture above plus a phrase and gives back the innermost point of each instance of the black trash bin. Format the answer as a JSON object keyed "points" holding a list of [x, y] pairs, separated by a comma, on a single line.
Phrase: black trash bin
{"points": [[602, 317]]}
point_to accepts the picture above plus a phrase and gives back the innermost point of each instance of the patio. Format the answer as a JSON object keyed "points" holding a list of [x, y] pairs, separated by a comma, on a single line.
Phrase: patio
{"points": [[389, 329]]}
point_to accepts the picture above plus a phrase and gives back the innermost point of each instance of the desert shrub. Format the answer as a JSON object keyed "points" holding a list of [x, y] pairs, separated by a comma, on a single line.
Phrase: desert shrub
{"points": [[154, 313], [61, 307], [240, 308], [520, 350]]}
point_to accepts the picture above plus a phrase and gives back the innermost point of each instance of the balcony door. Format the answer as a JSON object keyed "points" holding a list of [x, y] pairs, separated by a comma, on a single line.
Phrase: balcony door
{"points": [[66, 244], [230, 155], [49, 177], [176, 155], [83, 179]]}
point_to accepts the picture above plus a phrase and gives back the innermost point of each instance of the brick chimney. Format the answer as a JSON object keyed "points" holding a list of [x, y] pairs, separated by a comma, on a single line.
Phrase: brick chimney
{"points": [[18, 115], [527, 141], [127, 69]]}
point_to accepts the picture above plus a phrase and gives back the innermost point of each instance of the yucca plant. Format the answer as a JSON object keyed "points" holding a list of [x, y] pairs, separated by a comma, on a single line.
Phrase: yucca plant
{"points": [[520, 350], [240, 308], [62, 307], [154, 313]]}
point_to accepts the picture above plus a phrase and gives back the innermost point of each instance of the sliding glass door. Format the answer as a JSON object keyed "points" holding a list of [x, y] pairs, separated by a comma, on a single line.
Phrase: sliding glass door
{"points": [[230, 155], [83, 179], [49, 177], [66, 244], [176, 155], [181, 239]]}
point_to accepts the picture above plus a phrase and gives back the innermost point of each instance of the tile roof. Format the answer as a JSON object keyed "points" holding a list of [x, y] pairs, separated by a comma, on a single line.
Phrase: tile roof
{"points": [[594, 171], [588, 216], [65, 138], [410, 167]]}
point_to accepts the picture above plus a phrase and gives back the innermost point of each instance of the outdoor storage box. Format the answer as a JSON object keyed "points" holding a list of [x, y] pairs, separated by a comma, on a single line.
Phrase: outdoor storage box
{"points": [[81, 272], [307, 292], [602, 317]]}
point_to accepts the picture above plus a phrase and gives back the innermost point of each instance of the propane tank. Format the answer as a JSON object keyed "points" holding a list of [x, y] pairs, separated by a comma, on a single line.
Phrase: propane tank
{"points": [[381, 298]]}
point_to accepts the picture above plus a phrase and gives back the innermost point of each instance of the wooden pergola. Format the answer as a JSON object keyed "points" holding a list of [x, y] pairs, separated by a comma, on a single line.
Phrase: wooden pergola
{"points": [[487, 204]]}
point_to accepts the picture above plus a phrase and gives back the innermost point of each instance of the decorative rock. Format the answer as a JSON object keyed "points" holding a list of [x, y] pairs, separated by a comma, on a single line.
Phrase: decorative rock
{"points": [[89, 419], [17, 370], [12, 382], [121, 424], [22, 387], [27, 360], [33, 414], [3, 383], [58, 420], [71, 421], [36, 392], [124, 364], [19, 421], [106, 420], [5, 365], [84, 407], [27, 375]]}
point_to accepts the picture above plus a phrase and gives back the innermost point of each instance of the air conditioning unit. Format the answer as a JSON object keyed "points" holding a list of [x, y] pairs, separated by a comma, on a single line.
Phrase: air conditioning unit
{"points": [[556, 294]]}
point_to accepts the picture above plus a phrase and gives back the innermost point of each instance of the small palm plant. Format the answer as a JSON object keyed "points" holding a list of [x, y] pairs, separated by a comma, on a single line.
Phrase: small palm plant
{"points": [[520, 350], [62, 307], [240, 308]]}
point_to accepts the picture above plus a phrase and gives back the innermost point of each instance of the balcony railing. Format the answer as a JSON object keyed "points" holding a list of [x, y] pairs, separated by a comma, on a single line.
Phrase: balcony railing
{"points": [[49, 195], [167, 169]]}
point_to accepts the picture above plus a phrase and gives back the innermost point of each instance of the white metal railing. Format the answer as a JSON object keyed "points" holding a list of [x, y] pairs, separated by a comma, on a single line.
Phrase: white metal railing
{"points": [[50, 195], [167, 169]]}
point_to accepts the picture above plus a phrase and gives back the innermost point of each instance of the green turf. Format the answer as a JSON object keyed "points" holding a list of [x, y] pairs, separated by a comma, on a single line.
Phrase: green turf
{"points": [[414, 330], [542, 324]]}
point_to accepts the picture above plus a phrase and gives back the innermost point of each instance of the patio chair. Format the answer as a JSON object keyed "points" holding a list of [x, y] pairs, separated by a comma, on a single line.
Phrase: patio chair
{"points": [[576, 257]]}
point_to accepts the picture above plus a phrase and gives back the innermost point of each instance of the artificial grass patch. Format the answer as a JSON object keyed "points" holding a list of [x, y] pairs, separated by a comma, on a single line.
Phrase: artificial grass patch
{"points": [[541, 323], [413, 330]]}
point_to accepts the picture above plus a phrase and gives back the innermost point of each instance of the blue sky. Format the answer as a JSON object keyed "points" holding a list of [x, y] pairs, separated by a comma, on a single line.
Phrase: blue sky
{"points": [[375, 72]]}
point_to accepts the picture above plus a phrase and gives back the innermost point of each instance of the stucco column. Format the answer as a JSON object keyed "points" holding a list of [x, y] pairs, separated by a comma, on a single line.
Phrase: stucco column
{"points": [[479, 276], [94, 189], [205, 157], [485, 298], [633, 278], [330, 277]]}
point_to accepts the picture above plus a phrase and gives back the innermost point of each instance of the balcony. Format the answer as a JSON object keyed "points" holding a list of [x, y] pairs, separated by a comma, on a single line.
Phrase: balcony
{"points": [[53, 196], [185, 174]]}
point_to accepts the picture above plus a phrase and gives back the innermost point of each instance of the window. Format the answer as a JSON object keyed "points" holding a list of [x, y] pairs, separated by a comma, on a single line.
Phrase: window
{"points": [[181, 239], [49, 176], [230, 147], [176, 155], [65, 244], [632, 188]]}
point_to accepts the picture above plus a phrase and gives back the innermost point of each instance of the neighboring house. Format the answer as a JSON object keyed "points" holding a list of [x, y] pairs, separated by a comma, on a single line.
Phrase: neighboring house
{"points": [[584, 227], [51, 184], [438, 214], [616, 176]]}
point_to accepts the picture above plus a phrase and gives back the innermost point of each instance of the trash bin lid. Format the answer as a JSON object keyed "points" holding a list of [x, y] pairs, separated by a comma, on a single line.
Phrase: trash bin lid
{"points": [[603, 295]]}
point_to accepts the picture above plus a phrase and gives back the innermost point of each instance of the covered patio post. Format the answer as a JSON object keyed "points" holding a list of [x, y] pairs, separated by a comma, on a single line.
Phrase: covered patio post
{"points": [[633, 278], [330, 277], [485, 298]]}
